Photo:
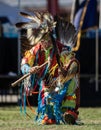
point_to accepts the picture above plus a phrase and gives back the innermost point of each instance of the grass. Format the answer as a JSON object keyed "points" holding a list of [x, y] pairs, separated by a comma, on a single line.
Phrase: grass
{"points": [[12, 119]]}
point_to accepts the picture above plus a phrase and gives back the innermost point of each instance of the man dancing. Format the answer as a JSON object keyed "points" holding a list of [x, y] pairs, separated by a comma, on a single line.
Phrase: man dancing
{"points": [[51, 40]]}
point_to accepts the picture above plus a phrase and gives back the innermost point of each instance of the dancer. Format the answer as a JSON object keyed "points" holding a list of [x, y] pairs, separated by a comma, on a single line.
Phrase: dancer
{"points": [[47, 40]]}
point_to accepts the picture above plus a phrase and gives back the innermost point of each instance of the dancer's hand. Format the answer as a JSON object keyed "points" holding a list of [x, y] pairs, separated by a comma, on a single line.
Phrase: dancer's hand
{"points": [[34, 69]]}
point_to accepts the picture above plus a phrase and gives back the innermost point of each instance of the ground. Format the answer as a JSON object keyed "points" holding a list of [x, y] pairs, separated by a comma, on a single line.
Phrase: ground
{"points": [[12, 119]]}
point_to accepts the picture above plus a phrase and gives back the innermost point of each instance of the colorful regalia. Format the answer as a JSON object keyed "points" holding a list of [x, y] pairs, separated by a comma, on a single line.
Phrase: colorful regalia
{"points": [[57, 81]]}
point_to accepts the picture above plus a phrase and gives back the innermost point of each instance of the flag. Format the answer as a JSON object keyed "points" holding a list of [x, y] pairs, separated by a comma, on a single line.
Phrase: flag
{"points": [[90, 16], [85, 18]]}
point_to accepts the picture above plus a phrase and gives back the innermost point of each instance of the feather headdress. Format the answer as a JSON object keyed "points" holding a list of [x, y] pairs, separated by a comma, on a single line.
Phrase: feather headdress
{"points": [[38, 27], [40, 24], [66, 33]]}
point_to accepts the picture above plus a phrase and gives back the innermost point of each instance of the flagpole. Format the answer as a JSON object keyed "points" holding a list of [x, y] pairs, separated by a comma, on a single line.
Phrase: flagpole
{"points": [[19, 43], [97, 61], [100, 15], [72, 11], [97, 51]]}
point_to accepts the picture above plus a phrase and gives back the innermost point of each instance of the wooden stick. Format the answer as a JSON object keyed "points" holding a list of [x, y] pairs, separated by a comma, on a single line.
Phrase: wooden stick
{"points": [[19, 80], [26, 75]]}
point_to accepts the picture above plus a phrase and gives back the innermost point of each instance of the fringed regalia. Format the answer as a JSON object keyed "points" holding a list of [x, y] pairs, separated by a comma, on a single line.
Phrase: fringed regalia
{"points": [[57, 81]]}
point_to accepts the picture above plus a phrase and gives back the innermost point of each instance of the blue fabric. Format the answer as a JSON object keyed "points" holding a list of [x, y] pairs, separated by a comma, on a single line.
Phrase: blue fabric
{"points": [[25, 69], [42, 106], [90, 19], [24, 102], [22, 98], [62, 92], [56, 98]]}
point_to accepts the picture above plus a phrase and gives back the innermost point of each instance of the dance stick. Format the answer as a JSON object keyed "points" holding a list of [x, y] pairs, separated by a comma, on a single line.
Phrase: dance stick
{"points": [[26, 75]]}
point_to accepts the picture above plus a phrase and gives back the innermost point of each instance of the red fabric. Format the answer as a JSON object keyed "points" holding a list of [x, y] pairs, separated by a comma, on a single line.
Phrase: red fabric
{"points": [[42, 93], [41, 57], [69, 98]]}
